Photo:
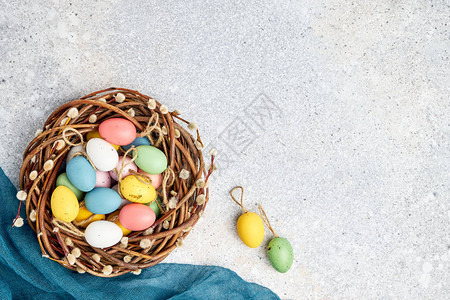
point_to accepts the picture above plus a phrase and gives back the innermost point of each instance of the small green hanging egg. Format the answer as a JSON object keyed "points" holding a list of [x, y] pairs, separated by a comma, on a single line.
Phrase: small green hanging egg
{"points": [[280, 254]]}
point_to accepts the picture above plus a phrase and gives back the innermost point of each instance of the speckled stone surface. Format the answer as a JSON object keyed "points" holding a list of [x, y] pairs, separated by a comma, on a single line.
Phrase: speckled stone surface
{"points": [[333, 114]]}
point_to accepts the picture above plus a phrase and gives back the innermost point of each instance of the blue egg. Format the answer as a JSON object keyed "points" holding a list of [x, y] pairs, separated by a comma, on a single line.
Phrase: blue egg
{"points": [[139, 141], [81, 173], [102, 200]]}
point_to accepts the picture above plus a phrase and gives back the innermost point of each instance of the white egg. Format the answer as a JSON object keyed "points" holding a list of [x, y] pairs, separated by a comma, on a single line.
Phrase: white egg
{"points": [[102, 154], [102, 234], [73, 150]]}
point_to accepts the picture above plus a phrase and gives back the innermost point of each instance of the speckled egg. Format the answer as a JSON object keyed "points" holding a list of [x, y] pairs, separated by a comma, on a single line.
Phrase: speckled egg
{"points": [[102, 154], [103, 179], [280, 254], [137, 189], [64, 204], [102, 234]]}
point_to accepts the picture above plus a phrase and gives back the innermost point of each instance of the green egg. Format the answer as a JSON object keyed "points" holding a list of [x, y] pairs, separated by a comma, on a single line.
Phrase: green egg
{"points": [[154, 206], [280, 254], [64, 181], [151, 160]]}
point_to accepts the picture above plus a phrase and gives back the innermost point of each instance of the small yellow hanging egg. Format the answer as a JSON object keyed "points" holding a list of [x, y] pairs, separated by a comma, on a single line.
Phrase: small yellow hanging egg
{"points": [[250, 228]]}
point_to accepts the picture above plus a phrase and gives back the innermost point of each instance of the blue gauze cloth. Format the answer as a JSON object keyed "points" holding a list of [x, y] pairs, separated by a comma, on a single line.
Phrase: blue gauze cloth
{"points": [[25, 274]]}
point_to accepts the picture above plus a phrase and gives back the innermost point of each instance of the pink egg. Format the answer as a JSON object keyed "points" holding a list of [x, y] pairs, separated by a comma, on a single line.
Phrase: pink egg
{"points": [[156, 179], [136, 216], [117, 131], [102, 179], [125, 170]]}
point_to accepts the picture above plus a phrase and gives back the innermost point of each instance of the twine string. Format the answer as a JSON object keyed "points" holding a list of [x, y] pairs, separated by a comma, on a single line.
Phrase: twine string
{"points": [[68, 227], [241, 204], [85, 221], [124, 164], [69, 128], [142, 177], [265, 219], [81, 143], [150, 128], [84, 154]]}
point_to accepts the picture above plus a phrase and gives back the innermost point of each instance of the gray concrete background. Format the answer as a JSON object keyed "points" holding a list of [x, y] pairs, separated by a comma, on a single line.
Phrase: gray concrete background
{"points": [[351, 164]]}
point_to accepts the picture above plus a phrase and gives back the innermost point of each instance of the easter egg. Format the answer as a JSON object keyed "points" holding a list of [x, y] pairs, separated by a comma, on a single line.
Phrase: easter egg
{"points": [[81, 174], [280, 254], [137, 189], [114, 217], [103, 179], [63, 180], [102, 154], [156, 178], [84, 214], [95, 134], [102, 200], [102, 234], [74, 150], [136, 217], [154, 206], [250, 229], [64, 204], [139, 141], [150, 159], [126, 169], [117, 131]]}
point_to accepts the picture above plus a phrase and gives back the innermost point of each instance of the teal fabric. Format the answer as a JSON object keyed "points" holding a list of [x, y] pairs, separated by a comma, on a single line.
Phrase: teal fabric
{"points": [[24, 274]]}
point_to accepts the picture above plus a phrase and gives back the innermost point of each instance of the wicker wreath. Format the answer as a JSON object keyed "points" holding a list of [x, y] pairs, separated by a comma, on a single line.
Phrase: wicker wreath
{"points": [[184, 191]]}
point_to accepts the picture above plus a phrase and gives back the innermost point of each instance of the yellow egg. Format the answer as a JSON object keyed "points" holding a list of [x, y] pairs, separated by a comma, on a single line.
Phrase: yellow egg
{"points": [[114, 217], [251, 229], [64, 204], [84, 213], [135, 189], [96, 134]]}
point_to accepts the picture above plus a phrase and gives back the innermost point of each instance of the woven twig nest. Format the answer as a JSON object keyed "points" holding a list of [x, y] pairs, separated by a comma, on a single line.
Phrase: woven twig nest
{"points": [[184, 192]]}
